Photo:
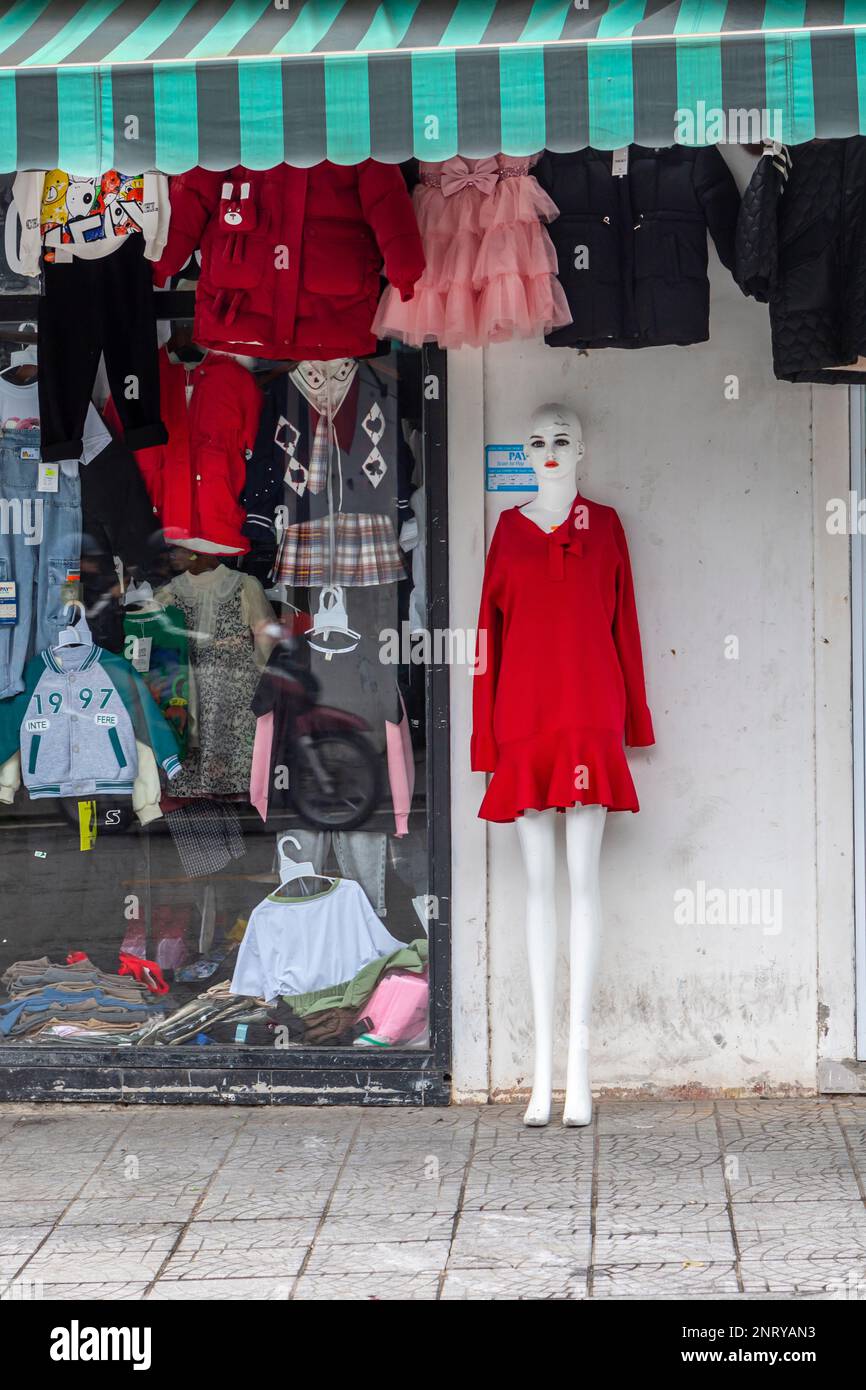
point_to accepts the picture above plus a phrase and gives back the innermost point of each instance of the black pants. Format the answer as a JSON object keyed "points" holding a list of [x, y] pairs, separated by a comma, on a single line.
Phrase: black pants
{"points": [[92, 307]]}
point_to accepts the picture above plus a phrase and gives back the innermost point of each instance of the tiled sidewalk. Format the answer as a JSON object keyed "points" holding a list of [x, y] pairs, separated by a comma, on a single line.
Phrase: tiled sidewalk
{"points": [[683, 1200]]}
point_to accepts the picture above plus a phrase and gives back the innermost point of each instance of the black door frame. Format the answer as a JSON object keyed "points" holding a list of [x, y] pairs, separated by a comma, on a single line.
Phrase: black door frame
{"points": [[294, 1075]]}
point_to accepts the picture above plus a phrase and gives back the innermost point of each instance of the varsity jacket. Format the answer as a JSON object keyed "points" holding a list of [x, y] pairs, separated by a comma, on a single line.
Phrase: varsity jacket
{"points": [[76, 726]]}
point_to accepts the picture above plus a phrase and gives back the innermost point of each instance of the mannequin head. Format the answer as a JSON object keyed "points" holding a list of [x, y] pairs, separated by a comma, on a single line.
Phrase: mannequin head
{"points": [[555, 445]]}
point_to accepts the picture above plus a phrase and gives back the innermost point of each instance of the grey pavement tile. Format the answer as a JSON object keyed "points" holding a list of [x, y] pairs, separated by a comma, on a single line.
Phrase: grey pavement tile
{"points": [[87, 1293], [801, 1230], [549, 1139], [273, 1288], [233, 1203], [101, 1254], [811, 1110], [30, 1213], [371, 1288], [657, 1154], [36, 1189], [12, 1265], [124, 1237], [794, 1132], [96, 1267], [850, 1110], [512, 1129], [400, 1121], [552, 1282], [722, 1296], [541, 1147], [787, 1177], [521, 1240], [301, 1175], [508, 1191], [155, 1165], [379, 1257], [171, 1207], [677, 1279], [305, 1150], [655, 1117], [662, 1185], [15, 1240], [772, 1141], [799, 1216], [365, 1227], [248, 1236], [505, 1112], [692, 1247], [192, 1119], [390, 1157], [660, 1218], [360, 1194], [842, 1280], [155, 1187], [235, 1263], [78, 1128]]}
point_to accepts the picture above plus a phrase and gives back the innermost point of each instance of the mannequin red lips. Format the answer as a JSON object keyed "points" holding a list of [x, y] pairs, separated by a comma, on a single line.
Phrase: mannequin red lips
{"points": [[551, 463]]}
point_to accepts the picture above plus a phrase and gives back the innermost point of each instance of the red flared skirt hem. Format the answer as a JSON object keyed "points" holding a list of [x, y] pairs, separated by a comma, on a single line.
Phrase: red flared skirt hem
{"points": [[557, 770]]}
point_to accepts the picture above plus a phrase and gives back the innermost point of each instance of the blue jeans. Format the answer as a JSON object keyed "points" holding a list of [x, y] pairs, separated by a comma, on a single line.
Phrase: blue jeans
{"points": [[40, 547]]}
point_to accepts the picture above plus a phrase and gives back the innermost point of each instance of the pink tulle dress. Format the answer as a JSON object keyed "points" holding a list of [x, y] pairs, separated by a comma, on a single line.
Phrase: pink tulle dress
{"points": [[491, 266]]}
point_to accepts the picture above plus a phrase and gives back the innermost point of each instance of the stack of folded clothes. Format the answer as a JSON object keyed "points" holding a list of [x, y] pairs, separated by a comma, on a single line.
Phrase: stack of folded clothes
{"points": [[77, 1001]]}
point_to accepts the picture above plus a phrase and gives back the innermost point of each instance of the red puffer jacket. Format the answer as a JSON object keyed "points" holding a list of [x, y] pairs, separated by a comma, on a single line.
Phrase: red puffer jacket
{"points": [[291, 257]]}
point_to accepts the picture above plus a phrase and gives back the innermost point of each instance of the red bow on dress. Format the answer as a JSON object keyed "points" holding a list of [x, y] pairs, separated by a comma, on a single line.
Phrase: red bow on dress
{"points": [[458, 176]]}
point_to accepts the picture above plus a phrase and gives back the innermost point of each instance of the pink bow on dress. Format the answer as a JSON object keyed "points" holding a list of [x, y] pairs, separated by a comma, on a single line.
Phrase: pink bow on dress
{"points": [[457, 175]]}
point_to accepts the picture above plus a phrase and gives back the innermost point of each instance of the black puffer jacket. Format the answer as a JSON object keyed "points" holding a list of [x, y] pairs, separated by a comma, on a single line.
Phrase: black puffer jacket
{"points": [[632, 251], [801, 245]]}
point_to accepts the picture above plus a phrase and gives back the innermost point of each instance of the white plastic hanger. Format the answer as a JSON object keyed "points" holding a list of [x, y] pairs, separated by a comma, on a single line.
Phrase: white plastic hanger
{"points": [[291, 869], [26, 356], [141, 595], [78, 635]]}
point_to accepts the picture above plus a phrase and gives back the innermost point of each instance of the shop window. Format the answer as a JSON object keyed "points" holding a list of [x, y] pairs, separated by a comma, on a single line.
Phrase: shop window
{"points": [[221, 827]]}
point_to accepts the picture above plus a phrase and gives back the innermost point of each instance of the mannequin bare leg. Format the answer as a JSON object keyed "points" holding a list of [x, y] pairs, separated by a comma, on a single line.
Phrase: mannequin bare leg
{"points": [[584, 828], [536, 830]]}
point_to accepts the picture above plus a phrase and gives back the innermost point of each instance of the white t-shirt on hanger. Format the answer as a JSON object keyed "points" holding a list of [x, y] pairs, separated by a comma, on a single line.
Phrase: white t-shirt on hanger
{"points": [[294, 945]]}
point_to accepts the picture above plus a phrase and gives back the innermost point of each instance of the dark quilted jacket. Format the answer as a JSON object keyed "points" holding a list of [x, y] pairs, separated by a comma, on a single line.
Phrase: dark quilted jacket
{"points": [[632, 251], [801, 245]]}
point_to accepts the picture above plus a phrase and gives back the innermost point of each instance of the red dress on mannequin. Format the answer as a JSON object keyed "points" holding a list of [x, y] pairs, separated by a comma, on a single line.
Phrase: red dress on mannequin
{"points": [[559, 681]]}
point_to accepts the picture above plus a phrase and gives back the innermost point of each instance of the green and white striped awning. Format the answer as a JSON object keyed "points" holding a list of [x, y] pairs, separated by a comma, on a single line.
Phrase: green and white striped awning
{"points": [[91, 84]]}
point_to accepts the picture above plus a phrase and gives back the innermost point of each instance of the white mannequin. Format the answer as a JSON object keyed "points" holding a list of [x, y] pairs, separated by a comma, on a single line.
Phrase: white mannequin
{"points": [[555, 448]]}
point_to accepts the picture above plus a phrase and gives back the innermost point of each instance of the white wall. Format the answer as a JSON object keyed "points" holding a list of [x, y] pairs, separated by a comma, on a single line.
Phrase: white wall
{"points": [[719, 505]]}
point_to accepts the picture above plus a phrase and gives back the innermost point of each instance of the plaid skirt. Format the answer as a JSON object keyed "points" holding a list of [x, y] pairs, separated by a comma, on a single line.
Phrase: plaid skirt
{"points": [[365, 552]]}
